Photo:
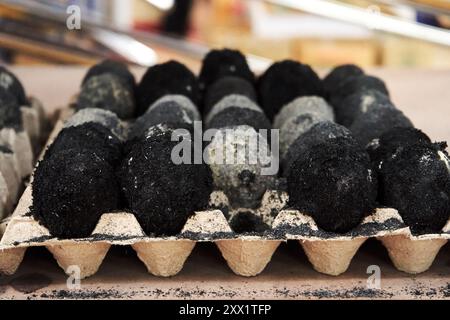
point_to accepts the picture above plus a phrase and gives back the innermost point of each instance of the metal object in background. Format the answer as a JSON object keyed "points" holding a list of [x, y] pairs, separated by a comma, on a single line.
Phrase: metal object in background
{"points": [[163, 5], [126, 46], [372, 20], [133, 46]]}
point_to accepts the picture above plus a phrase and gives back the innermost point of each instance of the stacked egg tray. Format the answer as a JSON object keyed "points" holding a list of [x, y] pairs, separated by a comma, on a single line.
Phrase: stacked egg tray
{"points": [[246, 254], [16, 164]]}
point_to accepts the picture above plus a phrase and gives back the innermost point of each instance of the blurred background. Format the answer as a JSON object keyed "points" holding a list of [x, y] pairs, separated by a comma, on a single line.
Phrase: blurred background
{"points": [[397, 33]]}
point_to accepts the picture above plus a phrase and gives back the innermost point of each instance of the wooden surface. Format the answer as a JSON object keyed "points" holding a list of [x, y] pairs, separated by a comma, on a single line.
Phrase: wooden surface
{"points": [[423, 95], [206, 276]]}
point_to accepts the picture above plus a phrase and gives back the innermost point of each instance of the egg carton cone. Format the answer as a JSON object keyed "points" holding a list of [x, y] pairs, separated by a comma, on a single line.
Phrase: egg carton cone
{"points": [[5, 198], [11, 179], [415, 254], [331, 253], [35, 123], [17, 165], [249, 253], [19, 143]]}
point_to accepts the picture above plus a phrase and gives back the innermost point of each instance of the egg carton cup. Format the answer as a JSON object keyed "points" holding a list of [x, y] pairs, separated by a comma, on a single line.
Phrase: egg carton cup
{"points": [[331, 253], [415, 254], [35, 123]]}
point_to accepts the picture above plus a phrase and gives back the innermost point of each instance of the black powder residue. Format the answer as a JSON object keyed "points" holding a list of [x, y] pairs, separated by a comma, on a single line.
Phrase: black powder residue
{"points": [[98, 237], [83, 294], [200, 236], [363, 230], [420, 291], [245, 222], [354, 293], [446, 290]]}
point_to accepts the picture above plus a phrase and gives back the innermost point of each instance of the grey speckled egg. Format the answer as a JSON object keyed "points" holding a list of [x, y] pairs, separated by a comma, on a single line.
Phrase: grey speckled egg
{"points": [[236, 167], [107, 92], [106, 118], [304, 105]]}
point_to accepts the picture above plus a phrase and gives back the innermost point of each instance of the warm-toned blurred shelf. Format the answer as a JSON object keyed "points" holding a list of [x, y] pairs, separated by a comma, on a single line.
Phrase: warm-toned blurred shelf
{"points": [[441, 4], [46, 52]]}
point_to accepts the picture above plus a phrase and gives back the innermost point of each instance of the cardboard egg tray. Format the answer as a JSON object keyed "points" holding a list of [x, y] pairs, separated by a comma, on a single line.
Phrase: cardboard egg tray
{"points": [[24, 144], [246, 254]]}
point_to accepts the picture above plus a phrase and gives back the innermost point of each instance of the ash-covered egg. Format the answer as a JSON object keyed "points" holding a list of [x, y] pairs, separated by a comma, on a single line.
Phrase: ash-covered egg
{"points": [[235, 110], [285, 81], [224, 87], [357, 84], [372, 124], [339, 75], [222, 63], [10, 115], [393, 140], [332, 181], [174, 110], [116, 68], [238, 157], [108, 92], [298, 117], [415, 180], [10, 83], [304, 105], [239, 153], [360, 102], [160, 193], [170, 78], [103, 117], [319, 133], [13, 134], [71, 190], [89, 137]]}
